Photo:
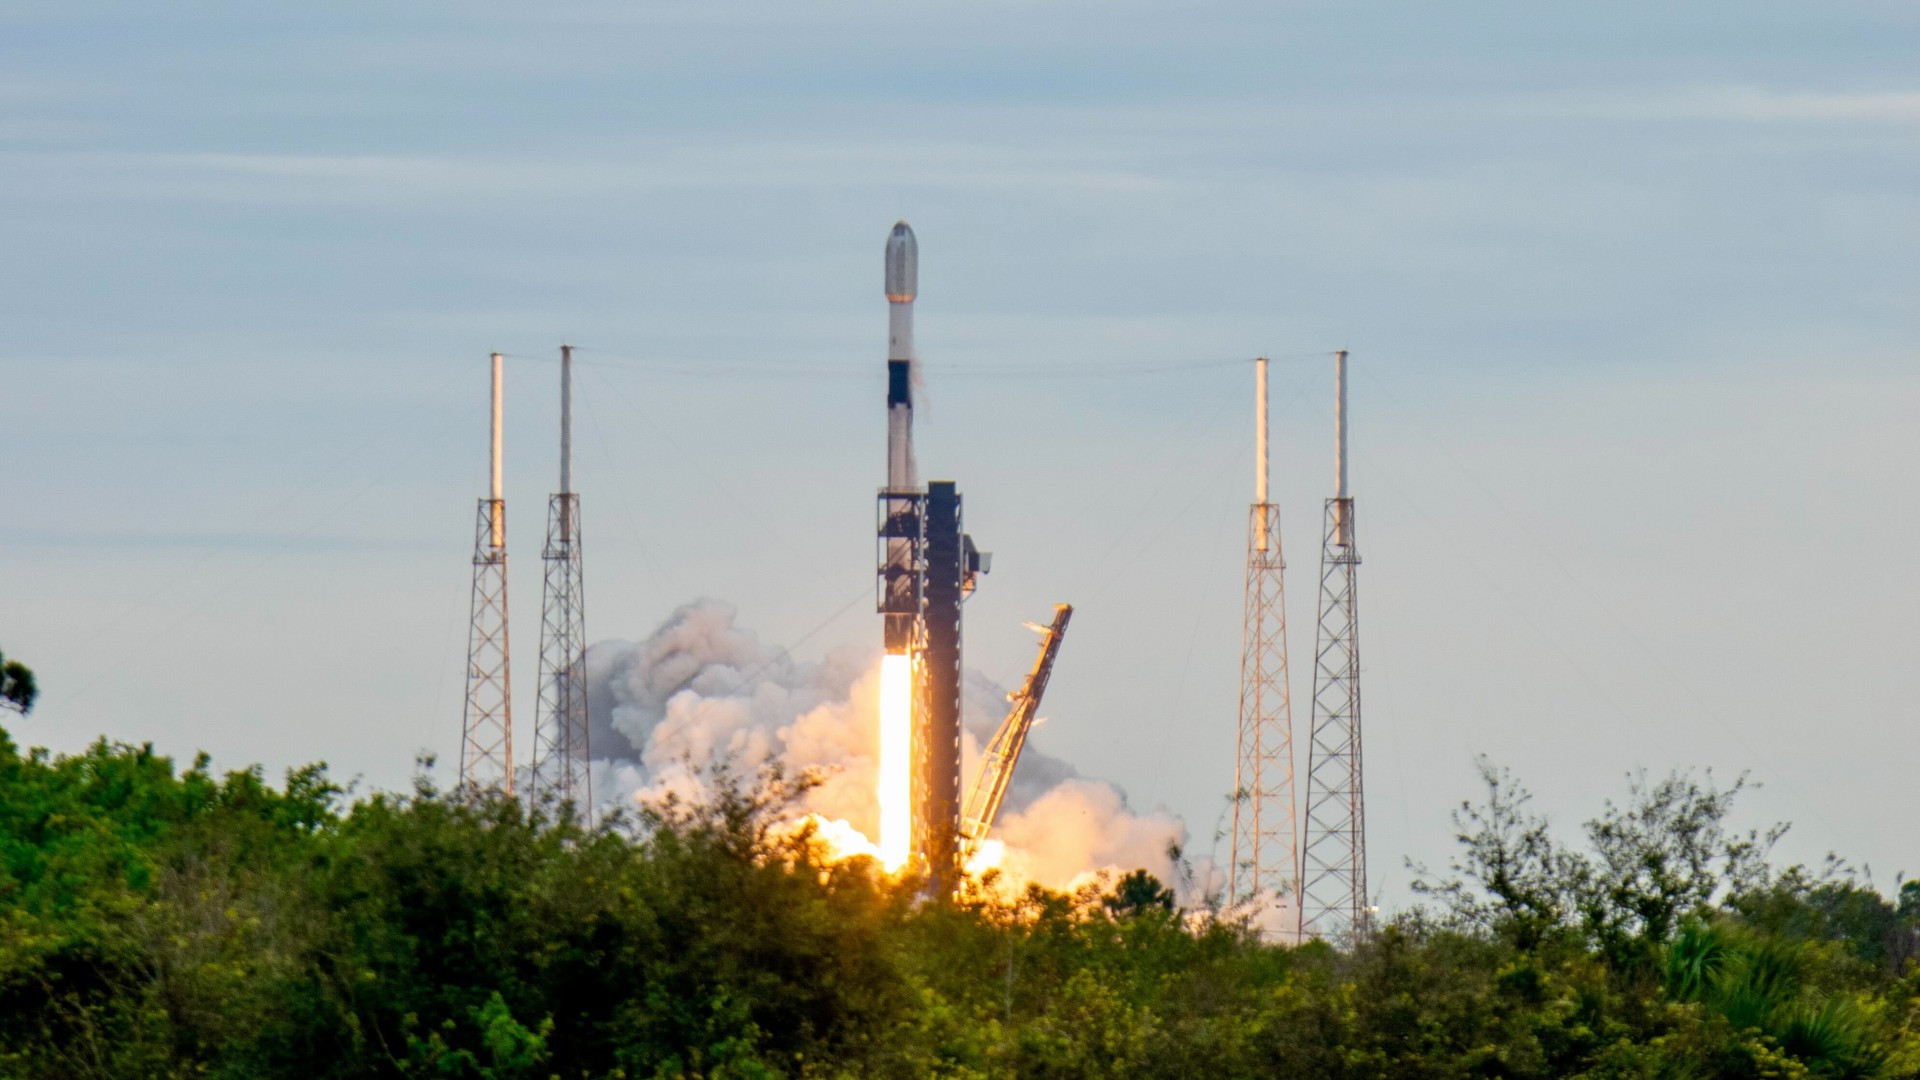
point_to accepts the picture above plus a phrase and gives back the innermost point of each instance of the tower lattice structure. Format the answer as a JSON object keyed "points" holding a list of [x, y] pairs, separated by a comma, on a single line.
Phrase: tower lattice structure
{"points": [[941, 568], [486, 742], [1335, 870], [560, 750], [561, 755], [951, 565], [1266, 862], [1334, 866], [1265, 857], [486, 730]]}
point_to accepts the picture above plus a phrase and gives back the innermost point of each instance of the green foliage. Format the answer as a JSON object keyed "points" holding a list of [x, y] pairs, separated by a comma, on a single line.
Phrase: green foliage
{"points": [[1762, 990], [1137, 893], [1664, 855], [1832, 906], [157, 922], [17, 688], [508, 1049]]}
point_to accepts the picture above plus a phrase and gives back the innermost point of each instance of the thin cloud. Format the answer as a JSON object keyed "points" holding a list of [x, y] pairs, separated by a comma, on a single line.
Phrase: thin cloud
{"points": [[1736, 103], [353, 178]]}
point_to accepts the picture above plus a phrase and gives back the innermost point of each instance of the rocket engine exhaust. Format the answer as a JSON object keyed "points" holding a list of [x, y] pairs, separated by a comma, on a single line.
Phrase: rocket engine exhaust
{"points": [[895, 788]]}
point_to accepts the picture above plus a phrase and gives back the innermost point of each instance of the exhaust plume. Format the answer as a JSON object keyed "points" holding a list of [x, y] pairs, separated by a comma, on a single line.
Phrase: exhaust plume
{"points": [[702, 691]]}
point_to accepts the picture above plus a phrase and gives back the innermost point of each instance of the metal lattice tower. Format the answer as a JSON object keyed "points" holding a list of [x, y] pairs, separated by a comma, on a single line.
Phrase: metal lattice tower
{"points": [[486, 738], [1334, 872], [560, 752], [1265, 846], [952, 568], [936, 735]]}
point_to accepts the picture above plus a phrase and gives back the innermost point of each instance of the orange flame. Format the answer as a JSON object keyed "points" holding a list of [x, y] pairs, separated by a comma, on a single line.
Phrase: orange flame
{"points": [[988, 856], [895, 786]]}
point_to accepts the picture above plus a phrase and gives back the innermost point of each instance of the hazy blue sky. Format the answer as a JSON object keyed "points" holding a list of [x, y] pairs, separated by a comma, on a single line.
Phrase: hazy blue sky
{"points": [[1630, 288]]}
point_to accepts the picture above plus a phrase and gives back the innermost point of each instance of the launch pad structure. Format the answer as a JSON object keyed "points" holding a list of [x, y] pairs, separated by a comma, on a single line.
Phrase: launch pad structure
{"points": [[1003, 751], [928, 566], [952, 567], [1310, 864]]}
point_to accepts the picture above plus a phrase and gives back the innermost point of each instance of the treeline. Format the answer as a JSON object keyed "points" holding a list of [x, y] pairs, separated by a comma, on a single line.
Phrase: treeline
{"points": [[160, 923]]}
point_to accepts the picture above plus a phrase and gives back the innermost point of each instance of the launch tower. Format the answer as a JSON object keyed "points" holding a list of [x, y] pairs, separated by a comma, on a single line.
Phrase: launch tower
{"points": [[952, 567]]}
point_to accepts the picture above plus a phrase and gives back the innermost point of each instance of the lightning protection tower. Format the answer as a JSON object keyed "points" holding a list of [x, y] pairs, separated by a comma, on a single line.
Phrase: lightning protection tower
{"points": [[486, 739], [560, 755], [1265, 850], [1334, 893]]}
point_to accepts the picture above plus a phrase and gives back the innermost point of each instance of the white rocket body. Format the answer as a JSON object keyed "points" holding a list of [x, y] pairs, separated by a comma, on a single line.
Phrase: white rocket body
{"points": [[903, 284], [900, 593]]}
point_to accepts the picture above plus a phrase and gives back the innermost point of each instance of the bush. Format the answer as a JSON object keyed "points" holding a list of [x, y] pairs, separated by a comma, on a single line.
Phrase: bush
{"points": [[166, 923]]}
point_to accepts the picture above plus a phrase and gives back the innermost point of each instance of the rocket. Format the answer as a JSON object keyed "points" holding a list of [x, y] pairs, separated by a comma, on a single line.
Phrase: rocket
{"points": [[900, 533], [903, 282]]}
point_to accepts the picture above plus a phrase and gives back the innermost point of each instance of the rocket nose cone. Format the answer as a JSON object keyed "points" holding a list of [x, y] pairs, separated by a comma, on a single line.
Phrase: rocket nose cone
{"points": [[903, 263]]}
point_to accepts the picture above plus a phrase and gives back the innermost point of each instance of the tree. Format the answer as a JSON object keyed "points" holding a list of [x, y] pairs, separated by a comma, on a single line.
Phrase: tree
{"points": [[172, 923], [1136, 893], [1665, 854], [1766, 989], [17, 688], [1511, 876]]}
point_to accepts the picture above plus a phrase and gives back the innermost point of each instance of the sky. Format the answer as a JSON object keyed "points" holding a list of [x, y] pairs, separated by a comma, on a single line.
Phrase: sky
{"points": [[1629, 291]]}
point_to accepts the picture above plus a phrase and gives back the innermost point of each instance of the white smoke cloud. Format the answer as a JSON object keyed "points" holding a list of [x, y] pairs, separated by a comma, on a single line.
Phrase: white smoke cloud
{"points": [[701, 691], [1080, 827]]}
